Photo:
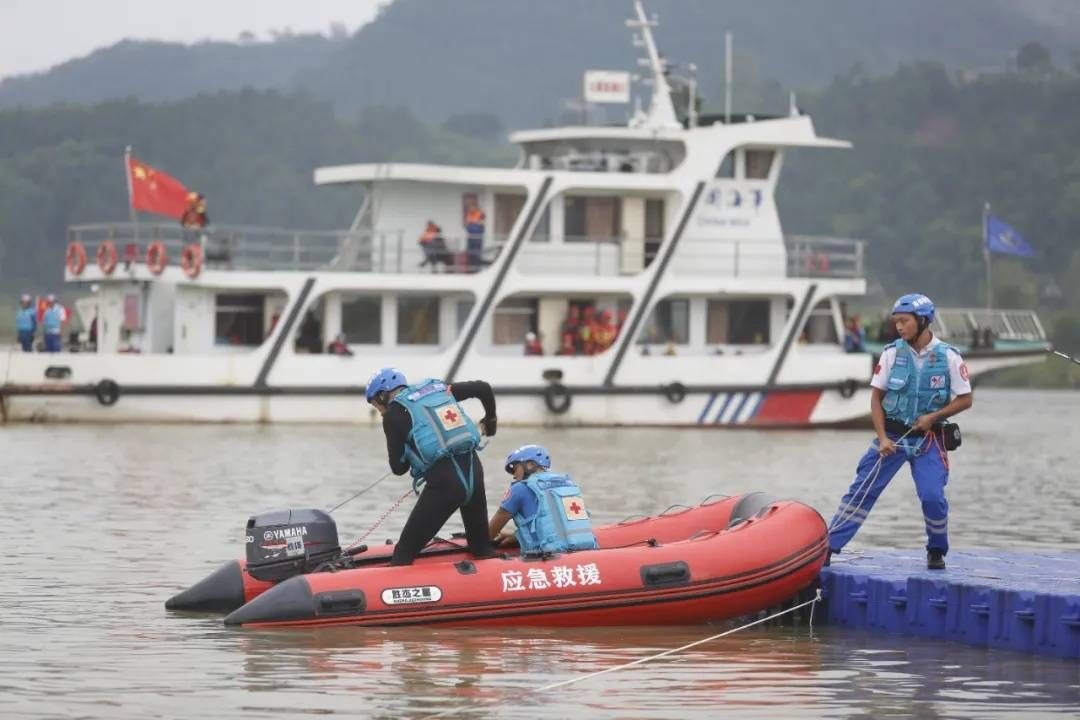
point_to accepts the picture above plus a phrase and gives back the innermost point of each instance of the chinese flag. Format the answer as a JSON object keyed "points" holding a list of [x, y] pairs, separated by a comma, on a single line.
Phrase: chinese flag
{"points": [[155, 192]]}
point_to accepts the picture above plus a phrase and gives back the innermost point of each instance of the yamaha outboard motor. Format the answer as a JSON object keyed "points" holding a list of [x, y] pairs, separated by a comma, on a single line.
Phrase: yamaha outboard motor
{"points": [[284, 543]]}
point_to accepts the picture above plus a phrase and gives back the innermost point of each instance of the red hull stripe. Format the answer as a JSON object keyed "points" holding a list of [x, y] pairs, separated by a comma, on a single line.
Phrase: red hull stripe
{"points": [[792, 407]]}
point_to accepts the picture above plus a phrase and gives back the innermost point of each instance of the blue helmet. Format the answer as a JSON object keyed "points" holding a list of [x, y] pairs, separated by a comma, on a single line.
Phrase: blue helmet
{"points": [[385, 379], [917, 304], [537, 453]]}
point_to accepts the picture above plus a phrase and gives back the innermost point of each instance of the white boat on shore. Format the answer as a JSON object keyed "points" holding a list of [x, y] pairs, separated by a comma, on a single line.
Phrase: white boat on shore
{"points": [[668, 224]]}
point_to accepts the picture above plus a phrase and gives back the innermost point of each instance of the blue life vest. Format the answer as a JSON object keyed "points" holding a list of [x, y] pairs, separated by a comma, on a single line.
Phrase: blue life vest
{"points": [[26, 320], [561, 522], [50, 322], [914, 391], [440, 428]]}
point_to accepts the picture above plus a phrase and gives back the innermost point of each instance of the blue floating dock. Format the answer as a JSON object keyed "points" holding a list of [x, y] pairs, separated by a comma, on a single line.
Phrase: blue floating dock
{"points": [[1025, 601]]}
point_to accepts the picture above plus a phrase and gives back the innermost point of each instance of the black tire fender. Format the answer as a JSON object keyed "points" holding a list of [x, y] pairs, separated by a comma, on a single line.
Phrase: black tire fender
{"points": [[675, 392], [848, 388], [557, 398], [107, 392]]}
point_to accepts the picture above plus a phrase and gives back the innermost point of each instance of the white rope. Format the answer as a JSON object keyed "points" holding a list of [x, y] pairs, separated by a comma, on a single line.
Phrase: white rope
{"points": [[641, 661], [872, 476]]}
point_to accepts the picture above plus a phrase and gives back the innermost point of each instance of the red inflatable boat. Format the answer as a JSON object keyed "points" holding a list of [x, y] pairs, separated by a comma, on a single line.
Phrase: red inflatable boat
{"points": [[720, 559]]}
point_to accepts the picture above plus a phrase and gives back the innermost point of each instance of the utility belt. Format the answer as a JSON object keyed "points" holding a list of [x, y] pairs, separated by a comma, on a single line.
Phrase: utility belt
{"points": [[948, 432]]}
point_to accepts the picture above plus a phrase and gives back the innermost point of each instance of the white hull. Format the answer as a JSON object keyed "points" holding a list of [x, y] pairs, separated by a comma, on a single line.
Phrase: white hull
{"points": [[717, 410]]}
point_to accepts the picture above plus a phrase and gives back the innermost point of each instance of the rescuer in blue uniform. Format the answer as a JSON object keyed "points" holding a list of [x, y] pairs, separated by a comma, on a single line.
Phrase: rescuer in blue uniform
{"points": [[50, 325], [546, 507], [918, 383], [26, 323], [430, 436]]}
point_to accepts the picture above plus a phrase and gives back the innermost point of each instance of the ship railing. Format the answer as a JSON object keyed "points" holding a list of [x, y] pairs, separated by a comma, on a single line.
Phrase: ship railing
{"points": [[979, 327], [573, 255], [824, 257], [244, 247]]}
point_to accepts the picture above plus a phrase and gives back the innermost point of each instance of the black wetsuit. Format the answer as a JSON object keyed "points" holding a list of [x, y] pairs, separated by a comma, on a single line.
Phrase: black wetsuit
{"points": [[442, 492]]}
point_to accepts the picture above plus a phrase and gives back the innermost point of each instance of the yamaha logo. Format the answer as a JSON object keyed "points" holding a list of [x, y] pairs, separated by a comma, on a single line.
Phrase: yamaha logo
{"points": [[268, 535]]}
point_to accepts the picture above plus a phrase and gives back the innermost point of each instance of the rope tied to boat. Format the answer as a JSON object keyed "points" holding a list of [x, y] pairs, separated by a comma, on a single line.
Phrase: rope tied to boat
{"points": [[381, 520], [871, 478], [353, 497], [812, 602]]}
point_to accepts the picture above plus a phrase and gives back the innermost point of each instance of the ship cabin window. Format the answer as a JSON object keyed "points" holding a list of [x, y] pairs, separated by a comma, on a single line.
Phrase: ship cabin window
{"points": [[593, 219], [737, 322], [668, 324], [758, 164], [514, 317], [507, 208], [361, 320], [239, 319], [418, 321], [727, 166], [654, 228], [820, 327]]}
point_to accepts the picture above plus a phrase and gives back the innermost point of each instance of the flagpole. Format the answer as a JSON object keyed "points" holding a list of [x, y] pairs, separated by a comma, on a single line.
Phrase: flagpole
{"points": [[131, 203], [986, 257]]}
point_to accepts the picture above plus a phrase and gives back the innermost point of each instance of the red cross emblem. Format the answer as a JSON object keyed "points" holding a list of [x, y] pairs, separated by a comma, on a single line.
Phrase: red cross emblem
{"points": [[575, 508], [450, 416]]}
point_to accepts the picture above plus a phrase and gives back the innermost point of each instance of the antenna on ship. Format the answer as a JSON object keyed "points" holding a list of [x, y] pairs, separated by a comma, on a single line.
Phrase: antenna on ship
{"points": [[661, 110]]}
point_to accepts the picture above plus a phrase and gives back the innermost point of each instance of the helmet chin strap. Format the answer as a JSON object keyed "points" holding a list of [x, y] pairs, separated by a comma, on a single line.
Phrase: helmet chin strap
{"points": [[923, 325]]}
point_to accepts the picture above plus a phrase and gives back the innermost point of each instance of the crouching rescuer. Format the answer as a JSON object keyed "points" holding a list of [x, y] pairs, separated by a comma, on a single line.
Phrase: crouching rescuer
{"points": [[430, 436], [547, 507], [918, 384]]}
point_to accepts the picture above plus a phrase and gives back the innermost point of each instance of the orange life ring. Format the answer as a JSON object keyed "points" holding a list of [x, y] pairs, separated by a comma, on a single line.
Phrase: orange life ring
{"points": [[75, 259], [156, 257], [191, 260], [107, 257]]}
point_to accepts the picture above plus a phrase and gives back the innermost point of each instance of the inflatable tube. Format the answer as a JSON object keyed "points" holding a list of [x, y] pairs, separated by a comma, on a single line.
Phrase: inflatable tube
{"points": [[557, 398], [107, 257], [706, 572], [156, 257], [675, 392], [191, 260], [107, 392], [75, 258]]}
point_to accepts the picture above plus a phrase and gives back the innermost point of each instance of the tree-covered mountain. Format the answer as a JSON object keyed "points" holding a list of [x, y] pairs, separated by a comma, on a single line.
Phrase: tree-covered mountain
{"points": [[520, 60]]}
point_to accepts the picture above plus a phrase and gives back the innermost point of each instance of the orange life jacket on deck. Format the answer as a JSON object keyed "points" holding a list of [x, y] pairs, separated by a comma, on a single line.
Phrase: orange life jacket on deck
{"points": [[475, 216], [431, 232]]}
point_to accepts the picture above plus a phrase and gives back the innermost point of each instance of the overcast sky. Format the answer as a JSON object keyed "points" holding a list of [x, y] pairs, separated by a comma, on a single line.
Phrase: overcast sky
{"points": [[37, 34]]}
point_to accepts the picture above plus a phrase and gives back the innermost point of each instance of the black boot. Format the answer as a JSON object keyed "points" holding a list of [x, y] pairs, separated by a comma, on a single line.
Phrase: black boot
{"points": [[935, 560], [828, 557]]}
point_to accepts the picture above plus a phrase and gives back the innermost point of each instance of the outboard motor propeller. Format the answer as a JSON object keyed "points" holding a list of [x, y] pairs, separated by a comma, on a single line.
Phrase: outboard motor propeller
{"points": [[284, 543]]}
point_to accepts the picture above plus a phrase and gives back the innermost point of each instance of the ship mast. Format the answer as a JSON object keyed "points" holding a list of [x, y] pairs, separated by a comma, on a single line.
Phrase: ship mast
{"points": [[661, 110]]}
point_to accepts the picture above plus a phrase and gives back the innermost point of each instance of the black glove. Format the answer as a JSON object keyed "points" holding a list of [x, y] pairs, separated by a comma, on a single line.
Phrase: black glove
{"points": [[489, 425]]}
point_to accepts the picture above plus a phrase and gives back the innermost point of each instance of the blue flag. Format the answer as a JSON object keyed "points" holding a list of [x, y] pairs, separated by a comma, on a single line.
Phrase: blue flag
{"points": [[1001, 237]]}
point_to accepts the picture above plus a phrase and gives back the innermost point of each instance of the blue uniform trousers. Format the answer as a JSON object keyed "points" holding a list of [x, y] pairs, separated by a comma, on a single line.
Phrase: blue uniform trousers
{"points": [[52, 342], [26, 340], [930, 469]]}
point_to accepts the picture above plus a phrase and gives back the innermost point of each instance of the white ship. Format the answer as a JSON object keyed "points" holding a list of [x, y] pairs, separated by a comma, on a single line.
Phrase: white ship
{"points": [[669, 225]]}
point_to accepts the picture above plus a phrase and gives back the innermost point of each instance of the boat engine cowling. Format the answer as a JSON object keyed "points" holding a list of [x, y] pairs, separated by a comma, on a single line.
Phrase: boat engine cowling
{"points": [[284, 543]]}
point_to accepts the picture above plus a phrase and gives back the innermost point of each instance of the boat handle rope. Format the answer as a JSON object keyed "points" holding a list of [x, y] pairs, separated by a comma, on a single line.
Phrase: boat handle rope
{"points": [[641, 661]]}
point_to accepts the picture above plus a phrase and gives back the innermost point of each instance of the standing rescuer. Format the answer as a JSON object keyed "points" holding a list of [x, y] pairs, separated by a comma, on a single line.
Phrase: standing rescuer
{"points": [[429, 435], [26, 323], [918, 383]]}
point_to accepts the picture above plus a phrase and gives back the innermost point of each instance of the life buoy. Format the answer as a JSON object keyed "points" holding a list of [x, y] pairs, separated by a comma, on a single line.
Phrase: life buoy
{"points": [[107, 392], [675, 392], [107, 257], [848, 388], [75, 258], [156, 257], [191, 259], [557, 398]]}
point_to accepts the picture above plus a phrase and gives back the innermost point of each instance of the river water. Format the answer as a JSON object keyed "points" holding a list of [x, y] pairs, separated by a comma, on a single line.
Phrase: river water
{"points": [[103, 523]]}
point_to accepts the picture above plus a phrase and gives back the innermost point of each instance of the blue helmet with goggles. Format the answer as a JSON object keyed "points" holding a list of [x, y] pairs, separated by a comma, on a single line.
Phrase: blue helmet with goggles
{"points": [[537, 453], [384, 379]]}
